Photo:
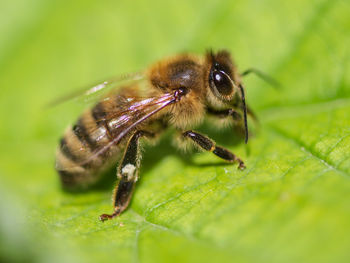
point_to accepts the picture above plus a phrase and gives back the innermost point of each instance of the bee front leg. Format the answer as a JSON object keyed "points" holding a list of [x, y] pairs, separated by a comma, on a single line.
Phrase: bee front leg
{"points": [[225, 113], [232, 113], [127, 174], [209, 145]]}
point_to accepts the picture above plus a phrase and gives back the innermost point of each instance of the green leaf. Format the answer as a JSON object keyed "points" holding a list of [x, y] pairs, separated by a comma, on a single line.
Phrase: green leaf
{"points": [[291, 204]]}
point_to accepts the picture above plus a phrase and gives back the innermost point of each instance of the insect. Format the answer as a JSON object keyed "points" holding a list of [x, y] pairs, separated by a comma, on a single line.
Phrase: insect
{"points": [[177, 92]]}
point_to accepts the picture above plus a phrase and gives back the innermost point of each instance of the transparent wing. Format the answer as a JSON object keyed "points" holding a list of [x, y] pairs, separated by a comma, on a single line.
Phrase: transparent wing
{"points": [[98, 90], [129, 114]]}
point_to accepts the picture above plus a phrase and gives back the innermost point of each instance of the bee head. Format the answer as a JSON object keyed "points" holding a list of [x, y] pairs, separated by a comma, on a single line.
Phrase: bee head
{"points": [[222, 76], [224, 82]]}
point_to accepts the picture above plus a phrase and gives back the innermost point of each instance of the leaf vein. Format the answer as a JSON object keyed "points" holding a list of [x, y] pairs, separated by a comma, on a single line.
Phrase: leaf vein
{"points": [[307, 149]]}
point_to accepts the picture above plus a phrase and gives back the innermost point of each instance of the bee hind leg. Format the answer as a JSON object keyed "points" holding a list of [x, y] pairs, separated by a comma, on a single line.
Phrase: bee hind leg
{"points": [[209, 145], [127, 174]]}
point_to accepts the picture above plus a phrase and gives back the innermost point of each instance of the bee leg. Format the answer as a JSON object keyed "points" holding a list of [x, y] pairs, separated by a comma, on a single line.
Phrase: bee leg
{"points": [[225, 113], [234, 114], [127, 174], [209, 145]]}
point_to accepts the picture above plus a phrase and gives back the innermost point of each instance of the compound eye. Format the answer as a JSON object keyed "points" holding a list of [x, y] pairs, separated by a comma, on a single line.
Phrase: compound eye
{"points": [[222, 83]]}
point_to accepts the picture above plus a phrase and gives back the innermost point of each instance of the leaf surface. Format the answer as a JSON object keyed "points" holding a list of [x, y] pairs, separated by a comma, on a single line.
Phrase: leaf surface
{"points": [[291, 204]]}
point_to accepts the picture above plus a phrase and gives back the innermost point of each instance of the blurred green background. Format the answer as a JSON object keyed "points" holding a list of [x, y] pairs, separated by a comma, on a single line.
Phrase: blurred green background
{"points": [[291, 204]]}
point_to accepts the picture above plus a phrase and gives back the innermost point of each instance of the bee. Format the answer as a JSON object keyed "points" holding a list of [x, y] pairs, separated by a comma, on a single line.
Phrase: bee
{"points": [[177, 92]]}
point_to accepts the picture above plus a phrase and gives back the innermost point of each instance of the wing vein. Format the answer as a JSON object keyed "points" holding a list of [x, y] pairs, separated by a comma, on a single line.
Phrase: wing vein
{"points": [[162, 102]]}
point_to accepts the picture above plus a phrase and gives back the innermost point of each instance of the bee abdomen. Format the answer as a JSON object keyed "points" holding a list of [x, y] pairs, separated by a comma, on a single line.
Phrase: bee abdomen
{"points": [[76, 159]]}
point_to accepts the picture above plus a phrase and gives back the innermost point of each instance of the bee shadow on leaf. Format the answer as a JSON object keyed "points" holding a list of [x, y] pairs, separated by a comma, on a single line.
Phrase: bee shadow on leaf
{"points": [[153, 154]]}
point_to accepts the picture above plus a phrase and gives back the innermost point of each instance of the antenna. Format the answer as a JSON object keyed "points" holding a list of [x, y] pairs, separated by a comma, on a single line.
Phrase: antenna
{"points": [[244, 112]]}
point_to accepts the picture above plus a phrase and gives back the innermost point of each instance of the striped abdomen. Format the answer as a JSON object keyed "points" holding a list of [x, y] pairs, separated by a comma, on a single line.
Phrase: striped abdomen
{"points": [[75, 161]]}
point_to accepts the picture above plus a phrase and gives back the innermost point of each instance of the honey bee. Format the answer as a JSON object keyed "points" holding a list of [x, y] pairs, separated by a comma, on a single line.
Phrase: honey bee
{"points": [[176, 92]]}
